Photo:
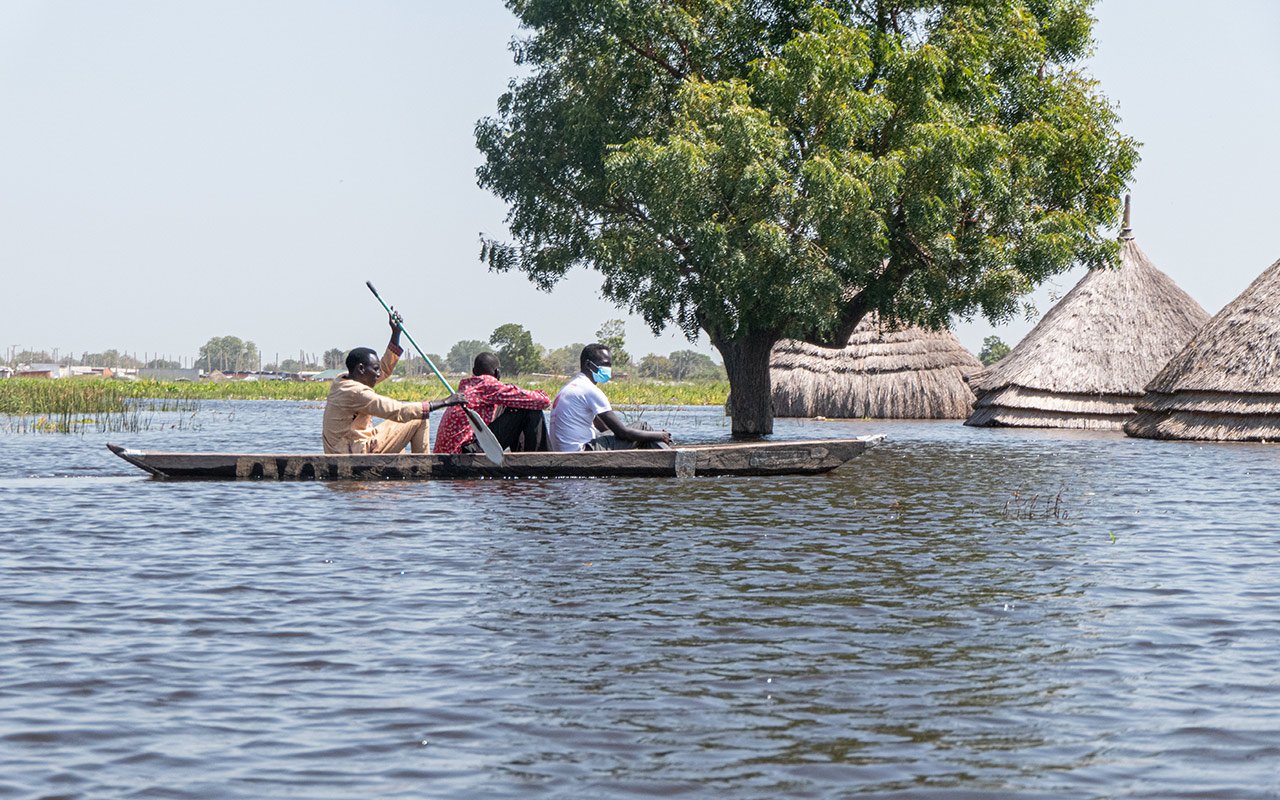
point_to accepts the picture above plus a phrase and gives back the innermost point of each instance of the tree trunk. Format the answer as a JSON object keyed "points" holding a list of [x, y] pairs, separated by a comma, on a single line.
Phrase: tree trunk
{"points": [[746, 359]]}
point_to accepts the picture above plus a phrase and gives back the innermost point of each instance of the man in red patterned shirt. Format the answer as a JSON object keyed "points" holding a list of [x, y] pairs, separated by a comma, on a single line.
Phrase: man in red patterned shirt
{"points": [[513, 414]]}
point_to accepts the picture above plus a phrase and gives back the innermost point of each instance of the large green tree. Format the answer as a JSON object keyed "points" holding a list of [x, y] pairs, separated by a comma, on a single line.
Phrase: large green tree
{"points": [[993, 349], [766, 169], [613, 335], [563, 360], [692, 364], [463, 354], [655, 366], [516, 349], [335, 358], [110, 358], [31, 357], [228, 354]]}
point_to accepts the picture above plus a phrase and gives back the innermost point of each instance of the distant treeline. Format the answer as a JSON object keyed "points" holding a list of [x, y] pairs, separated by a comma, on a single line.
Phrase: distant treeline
{"points": [[514, 345]]}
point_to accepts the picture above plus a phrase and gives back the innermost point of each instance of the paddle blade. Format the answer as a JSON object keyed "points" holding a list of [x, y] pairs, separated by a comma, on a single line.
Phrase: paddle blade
{"points": [[488, 442]]}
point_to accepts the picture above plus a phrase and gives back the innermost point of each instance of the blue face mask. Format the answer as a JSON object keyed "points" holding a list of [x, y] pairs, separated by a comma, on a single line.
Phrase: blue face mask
{"points": [[602, 374]]}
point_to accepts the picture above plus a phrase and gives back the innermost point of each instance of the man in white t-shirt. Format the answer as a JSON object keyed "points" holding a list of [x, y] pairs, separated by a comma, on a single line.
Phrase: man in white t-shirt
{"points": [[580, 409]]}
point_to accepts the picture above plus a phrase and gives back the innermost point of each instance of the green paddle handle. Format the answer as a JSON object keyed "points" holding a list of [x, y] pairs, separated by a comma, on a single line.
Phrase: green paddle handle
{"points": [[488, 442], [442, 378]]}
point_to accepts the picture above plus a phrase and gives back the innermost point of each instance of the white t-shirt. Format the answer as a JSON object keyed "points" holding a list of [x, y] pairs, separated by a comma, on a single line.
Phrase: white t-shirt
{"points": [[572, 413]]}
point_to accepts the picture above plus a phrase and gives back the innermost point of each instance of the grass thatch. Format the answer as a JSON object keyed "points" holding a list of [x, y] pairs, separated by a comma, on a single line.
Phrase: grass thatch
{"points": [[1086, 363], [882, 373], [1225, 384]]}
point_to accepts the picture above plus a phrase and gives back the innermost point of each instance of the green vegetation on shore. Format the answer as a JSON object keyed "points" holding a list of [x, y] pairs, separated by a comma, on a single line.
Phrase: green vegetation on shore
{"points": [[31, 396], [59, 399], [75, 405]]}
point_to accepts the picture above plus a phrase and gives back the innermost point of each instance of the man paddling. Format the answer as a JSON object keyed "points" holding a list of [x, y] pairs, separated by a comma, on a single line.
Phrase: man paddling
{"points": [[581, 408], [513, 414], [352, 402]]}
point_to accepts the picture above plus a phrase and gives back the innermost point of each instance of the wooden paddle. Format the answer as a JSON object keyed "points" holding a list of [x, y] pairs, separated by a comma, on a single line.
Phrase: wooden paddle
{"points": [[488, 442]]}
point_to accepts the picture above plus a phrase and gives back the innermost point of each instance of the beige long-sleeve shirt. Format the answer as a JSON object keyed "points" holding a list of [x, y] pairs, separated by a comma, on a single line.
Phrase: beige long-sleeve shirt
{"points": [[351, 406]]}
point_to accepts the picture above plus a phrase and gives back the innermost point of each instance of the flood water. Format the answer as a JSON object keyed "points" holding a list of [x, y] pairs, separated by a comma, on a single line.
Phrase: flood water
{"points": [[961, 613]]}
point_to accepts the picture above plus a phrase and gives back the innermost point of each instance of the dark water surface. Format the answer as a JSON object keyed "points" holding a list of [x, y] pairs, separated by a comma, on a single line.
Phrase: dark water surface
{"points": [[909, 627]]}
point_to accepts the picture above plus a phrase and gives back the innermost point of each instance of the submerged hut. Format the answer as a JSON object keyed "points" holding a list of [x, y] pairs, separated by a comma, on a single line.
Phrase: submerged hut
{"points": [[1225, 384], [911, 373], [1086, 363]]}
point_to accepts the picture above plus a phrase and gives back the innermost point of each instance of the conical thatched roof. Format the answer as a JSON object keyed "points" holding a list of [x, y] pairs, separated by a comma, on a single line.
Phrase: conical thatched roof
{"points": [[911, 373], [1086, 363], [1225, 384]]}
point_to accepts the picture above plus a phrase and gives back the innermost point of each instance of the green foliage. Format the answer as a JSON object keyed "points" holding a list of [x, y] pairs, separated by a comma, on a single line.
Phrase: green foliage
{"points": [[655, 366], [109, 358], [563, 360], [652, 392], [294, 365], [612, 334], [516, 349], [410, 365], [463, 354], [335, 359], [765, 168], [29, 397], [680, 366], [692, 365], [31, 357], [63, 406], [162, 363], [993, 349], [228, 354]]}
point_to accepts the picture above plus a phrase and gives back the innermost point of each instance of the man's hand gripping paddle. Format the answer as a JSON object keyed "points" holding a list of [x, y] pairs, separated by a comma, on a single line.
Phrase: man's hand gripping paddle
{"points": [[488, 442]]}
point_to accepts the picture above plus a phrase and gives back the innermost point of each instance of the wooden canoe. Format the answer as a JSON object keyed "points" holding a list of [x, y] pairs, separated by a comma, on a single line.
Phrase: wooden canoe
{"points": [[755, 458]]}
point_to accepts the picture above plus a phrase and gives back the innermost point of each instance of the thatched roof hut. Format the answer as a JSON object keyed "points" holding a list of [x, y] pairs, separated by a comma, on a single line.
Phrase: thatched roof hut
{"points": [[911, 373], [1086, 363], [1225, 384]]}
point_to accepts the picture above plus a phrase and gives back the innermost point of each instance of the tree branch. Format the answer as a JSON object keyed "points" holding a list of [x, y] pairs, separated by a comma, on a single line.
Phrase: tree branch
{"points": [[897, 269], [647, 52], [682, 246]]}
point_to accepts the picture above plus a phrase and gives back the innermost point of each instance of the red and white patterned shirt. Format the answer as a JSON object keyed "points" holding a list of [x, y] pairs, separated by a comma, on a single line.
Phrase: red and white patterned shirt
{"points": [[485, 395]]}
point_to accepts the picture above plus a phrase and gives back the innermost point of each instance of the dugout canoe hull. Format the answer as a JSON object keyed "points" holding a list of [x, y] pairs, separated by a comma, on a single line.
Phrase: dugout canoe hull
{"points": [[756, 458]]}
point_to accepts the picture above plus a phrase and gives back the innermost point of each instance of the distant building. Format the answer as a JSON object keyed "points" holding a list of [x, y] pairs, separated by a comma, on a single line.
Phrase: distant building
{"points": [[6, 372], [39, 371]]}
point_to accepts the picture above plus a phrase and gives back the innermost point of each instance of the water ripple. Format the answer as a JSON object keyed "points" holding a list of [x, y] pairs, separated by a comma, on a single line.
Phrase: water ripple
{"points": [[915, 626]]}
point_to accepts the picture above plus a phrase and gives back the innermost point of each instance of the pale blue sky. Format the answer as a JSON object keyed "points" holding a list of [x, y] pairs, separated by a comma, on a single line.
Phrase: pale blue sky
{"points": [[172, 171]]}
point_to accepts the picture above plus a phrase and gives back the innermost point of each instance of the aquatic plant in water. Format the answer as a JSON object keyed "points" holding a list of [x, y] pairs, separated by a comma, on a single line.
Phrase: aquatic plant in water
{"points": [[77, 406], [74, 405], [22, 396], [1036, 505]]}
